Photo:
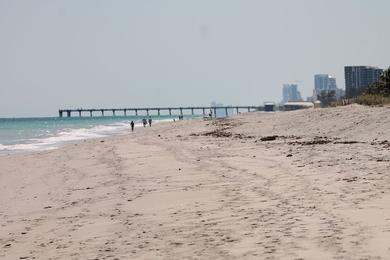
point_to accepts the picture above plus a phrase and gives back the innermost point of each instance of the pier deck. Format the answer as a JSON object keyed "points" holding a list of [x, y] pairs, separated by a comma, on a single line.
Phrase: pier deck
{"points": [[198, 110]]}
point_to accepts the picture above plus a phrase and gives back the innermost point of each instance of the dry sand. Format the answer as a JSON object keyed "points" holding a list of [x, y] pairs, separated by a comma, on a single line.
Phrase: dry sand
{"points": [[311, 184]]}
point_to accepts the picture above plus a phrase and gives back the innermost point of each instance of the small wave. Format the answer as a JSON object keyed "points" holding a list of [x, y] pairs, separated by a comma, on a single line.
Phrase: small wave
{"points": [[66, 135], [26, 147]]}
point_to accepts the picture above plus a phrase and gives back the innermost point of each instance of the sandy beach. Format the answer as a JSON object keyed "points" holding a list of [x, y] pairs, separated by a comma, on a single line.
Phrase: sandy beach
{"points": [[312, 184]]}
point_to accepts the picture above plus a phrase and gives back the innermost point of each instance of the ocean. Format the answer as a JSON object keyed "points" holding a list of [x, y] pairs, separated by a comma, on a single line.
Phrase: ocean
{"points": [[47, 133]]}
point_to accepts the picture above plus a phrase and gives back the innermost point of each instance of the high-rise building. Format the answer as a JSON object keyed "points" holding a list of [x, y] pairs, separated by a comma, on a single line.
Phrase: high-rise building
{"points": [[291, 93], [324, 82], [359, 78]]}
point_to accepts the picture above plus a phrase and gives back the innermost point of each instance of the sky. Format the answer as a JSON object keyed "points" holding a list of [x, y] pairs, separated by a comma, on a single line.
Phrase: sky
{"points": [[109, 54]]}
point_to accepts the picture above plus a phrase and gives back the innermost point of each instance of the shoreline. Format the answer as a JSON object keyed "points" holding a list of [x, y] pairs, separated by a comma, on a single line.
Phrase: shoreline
{"points": [[58, 144], [293, 185]]}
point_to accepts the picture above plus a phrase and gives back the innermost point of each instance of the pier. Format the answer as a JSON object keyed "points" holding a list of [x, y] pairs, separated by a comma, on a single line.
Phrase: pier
{"points": [[157, 111]]}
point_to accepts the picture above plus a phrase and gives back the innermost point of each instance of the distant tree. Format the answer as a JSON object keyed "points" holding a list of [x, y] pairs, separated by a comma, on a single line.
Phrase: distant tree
{"points": [[382, 86], [327, 97]]}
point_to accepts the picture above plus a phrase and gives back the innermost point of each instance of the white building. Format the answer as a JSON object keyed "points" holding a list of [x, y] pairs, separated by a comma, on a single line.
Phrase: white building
{"points": [[291, 93], [325, 82]]}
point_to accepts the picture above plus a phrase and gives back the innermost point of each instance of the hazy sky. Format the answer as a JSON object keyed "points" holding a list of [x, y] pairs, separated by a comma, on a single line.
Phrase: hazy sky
{"points": [[81, 53]]}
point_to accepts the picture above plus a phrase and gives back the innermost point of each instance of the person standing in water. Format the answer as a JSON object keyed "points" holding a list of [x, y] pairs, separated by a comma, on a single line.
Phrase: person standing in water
{"points": [[132, 126], [150, 122], [144, 122]]}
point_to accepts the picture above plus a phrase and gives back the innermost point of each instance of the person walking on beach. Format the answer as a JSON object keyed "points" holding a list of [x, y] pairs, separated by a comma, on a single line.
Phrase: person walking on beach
{"points": [[144, 122], [132, 126], [150, 122]]}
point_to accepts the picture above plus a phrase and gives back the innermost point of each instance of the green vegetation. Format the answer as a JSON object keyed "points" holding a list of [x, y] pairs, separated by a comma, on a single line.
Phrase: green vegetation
{"points": [[382, 86], [327, 98], [372, 100]]}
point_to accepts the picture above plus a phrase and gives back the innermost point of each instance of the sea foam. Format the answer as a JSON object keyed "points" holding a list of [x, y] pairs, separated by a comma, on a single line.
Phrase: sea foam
{"points": [[66, 135]]}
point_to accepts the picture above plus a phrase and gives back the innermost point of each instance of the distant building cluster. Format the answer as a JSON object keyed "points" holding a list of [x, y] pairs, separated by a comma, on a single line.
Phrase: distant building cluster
{"points": [[324, 84], [291, 93], [357, 80], [220, 112]]}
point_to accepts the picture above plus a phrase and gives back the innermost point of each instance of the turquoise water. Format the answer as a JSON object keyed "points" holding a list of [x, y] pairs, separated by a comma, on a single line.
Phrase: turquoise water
{"points": [[34, 134]]}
